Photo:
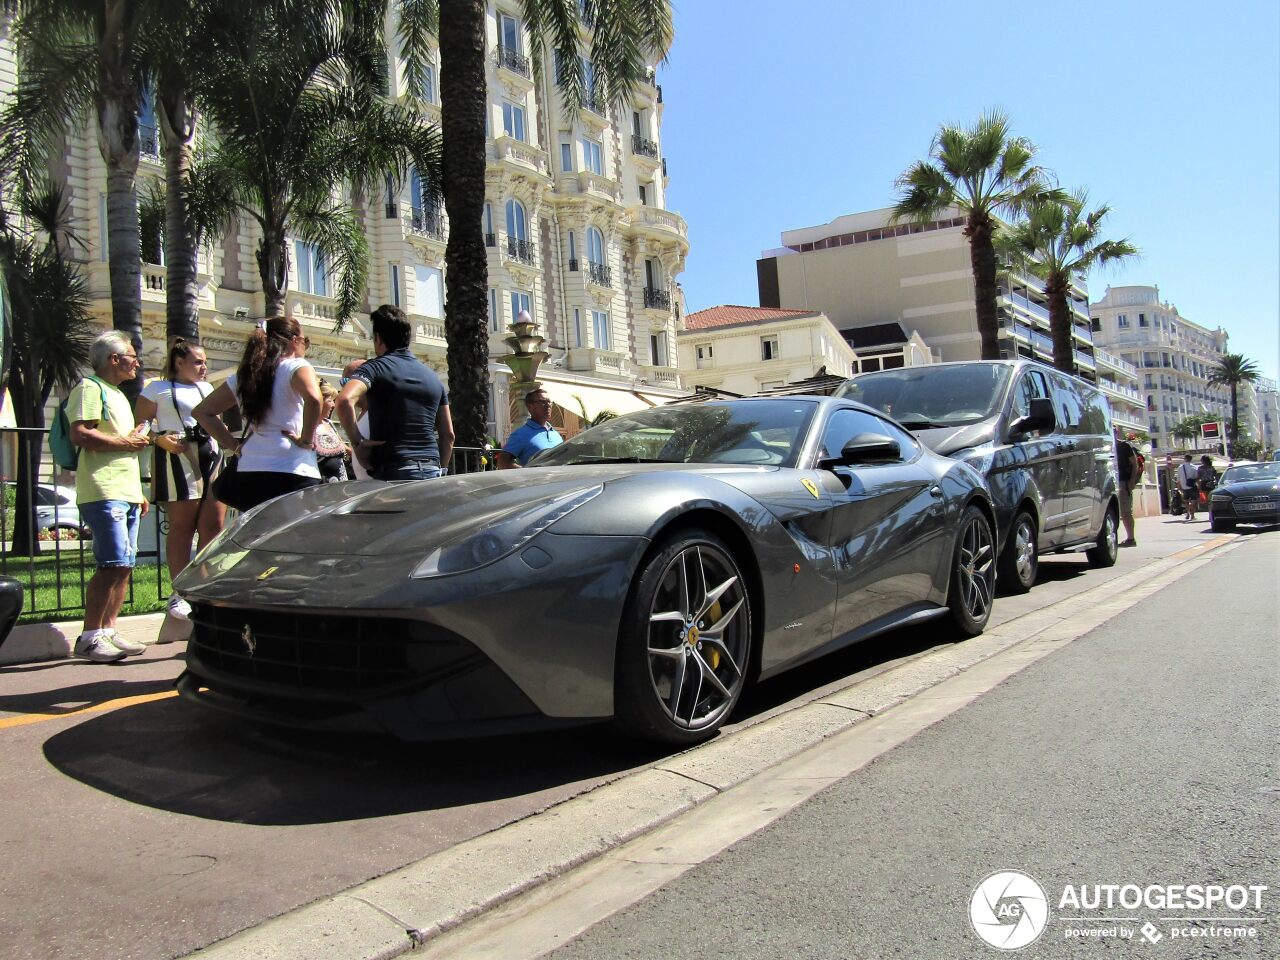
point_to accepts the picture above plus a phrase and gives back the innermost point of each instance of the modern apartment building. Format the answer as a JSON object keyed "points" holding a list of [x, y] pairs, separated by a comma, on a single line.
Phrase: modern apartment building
{"points": [[863, 271], [747, 350], [575, 221], [1173, 354]]}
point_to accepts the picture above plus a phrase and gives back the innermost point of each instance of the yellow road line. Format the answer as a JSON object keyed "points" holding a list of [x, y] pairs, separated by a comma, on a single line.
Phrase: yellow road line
{"points": [[93, 708]]}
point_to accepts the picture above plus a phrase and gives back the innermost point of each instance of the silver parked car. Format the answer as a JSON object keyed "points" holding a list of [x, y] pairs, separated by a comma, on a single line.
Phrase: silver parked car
{"points": [[56, 510], [645, 570]]}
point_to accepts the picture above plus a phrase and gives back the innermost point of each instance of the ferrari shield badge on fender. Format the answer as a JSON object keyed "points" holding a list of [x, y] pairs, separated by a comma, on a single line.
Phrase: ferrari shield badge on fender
{"points": [[267, 572], [808, 485]]}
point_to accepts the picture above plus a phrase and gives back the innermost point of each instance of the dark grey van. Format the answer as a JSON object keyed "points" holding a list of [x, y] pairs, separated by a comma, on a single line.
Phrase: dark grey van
{"points": [[1042, 439]]}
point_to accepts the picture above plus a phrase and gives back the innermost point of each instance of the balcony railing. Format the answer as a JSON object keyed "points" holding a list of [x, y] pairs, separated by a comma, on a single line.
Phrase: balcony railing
{"points": [[573, 264], [596, 104], [599, 274], [521, 250], [657, 299], [490, 240], [513, 60], [149, 141], [643, 147], [426, 222]]}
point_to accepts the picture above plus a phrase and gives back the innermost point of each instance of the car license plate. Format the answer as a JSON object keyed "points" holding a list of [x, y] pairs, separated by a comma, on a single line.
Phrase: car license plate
{"points": [[1251, 507]]}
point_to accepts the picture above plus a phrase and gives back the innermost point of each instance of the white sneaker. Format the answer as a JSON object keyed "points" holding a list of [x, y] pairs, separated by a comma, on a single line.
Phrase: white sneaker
{"points": [[131, 648], [98, 648], [179, 609]]}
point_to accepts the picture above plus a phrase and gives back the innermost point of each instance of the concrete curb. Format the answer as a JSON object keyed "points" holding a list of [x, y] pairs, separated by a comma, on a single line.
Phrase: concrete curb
{"points": [[35, 642], [406, 909]]}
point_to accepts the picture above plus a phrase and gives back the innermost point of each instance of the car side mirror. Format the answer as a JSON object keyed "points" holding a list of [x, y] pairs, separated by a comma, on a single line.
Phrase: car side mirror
{"points": [[1040, 418], [867, 448]]}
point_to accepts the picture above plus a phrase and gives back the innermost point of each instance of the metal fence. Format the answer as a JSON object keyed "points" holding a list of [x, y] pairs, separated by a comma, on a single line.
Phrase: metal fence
{"points": [[54, 578]]}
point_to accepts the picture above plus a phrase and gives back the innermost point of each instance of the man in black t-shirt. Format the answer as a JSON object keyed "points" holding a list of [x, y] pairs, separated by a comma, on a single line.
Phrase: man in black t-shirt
{"points": [[410, 429]]}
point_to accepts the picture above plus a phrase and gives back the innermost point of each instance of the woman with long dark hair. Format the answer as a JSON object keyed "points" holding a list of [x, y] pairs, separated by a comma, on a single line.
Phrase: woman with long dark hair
{"points": [[279, 398], [186, 457]]}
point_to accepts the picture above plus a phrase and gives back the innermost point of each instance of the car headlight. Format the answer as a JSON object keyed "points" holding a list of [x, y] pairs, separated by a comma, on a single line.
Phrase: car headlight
{"points": [[483, 547], [227, 534], [980, 458], [1221, 497]]}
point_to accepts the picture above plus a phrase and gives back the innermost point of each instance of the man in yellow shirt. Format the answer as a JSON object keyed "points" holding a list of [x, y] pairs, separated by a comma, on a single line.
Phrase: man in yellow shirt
{"points": [[108, 490]]}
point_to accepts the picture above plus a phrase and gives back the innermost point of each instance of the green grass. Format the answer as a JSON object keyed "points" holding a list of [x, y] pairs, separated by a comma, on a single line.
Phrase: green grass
{"points": [[58, 581]]}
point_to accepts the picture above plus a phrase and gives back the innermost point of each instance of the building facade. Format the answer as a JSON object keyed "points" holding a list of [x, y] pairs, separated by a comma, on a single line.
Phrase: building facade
{"points": [[863, 271], [575, 222], [1173, 355], [747, 350]]}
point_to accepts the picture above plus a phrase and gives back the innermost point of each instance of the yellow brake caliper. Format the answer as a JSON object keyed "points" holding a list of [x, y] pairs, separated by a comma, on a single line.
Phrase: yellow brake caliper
{"points": [[713, 617]]}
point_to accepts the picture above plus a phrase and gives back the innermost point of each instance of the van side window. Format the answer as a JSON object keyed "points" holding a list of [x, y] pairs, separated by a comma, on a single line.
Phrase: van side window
{"points": [[1032, 386], [1069, 407]]}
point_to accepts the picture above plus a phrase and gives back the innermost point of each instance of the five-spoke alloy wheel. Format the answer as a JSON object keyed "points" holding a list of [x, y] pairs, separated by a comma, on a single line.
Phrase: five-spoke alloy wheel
{"points": [[686, 642], [973, 574]]}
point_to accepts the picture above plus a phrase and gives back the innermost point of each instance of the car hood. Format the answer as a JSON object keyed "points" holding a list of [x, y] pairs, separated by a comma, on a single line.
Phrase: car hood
{"points": [[1252, 488], [370, 518], [948, 440]]}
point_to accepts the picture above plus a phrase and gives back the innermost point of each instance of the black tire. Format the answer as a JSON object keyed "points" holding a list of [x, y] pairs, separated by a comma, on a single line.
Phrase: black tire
{"points": [[973, 574], [1020, 561], [685, 643], [1221, 526], [1106, 546]]}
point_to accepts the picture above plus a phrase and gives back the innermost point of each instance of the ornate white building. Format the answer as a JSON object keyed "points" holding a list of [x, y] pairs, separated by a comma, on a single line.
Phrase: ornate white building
{"points": [[575, 222]]}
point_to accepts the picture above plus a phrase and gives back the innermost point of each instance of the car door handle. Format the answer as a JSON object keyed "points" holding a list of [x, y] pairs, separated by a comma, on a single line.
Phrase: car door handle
{"points": [[936, 493]]}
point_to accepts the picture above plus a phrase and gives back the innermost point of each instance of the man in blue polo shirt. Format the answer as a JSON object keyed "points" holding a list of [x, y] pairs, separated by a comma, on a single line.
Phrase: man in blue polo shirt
{"points": [[537, 433], [410, 429]]}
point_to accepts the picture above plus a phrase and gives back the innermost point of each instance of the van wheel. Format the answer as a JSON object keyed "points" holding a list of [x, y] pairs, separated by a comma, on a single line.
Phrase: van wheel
{"points": [[1103, 552], [1020, 562]]}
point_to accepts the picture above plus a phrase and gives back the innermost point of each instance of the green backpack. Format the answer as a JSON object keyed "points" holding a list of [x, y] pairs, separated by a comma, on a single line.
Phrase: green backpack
{"points": [[65, 453]]}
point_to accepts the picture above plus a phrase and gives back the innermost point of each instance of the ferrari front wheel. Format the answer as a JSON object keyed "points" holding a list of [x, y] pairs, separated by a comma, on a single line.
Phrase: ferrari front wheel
{"points": [[685, 644]]}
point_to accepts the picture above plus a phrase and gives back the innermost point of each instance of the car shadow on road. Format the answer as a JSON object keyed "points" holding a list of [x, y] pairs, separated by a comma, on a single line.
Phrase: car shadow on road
{"points": [[172, 756]]}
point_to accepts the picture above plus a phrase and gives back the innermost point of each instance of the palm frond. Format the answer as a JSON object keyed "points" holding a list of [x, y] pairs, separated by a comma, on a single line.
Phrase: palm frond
{"points": [[334, 229], [419, 26]]}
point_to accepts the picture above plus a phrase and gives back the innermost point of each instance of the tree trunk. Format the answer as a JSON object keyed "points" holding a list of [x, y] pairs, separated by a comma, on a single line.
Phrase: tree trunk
{"points": [[273, 268], [24, 394], [182, 287], [463, 95], [1235, 415], [982, 256], [116, 101], [1060, 325]]}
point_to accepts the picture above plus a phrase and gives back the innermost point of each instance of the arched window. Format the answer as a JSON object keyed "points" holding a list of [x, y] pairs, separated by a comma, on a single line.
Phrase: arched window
{"points": [[517, 228], [595, 246]]}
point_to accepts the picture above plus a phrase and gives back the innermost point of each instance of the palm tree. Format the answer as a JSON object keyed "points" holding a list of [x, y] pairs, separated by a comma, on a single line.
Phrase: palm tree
{"points": [[292, 92], [625, 38], [48, 335], [1232, 370], [1058, 242], [75, 53], [983, 172]]}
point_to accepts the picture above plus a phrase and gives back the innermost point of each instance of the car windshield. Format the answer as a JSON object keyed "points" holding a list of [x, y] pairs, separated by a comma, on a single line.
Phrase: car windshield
{"points": [[756, 432], [932, 397], [1252, 471]]}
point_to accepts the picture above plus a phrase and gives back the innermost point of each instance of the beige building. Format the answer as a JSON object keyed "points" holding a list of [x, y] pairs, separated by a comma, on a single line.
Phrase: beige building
{"points": [[747, 350], [1173, 356], [575, 221], [863, 272]]}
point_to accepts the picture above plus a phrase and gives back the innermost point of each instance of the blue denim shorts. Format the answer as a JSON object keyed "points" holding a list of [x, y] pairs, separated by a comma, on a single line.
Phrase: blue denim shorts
{"points": [[115, 531]]}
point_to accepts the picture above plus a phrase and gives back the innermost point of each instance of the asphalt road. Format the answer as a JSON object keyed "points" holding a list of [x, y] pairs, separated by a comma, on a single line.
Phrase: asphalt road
{"points": [[138, 827], [1144, 753]]}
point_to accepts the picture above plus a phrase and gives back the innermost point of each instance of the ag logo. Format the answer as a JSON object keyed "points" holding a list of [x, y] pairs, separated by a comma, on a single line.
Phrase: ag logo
{"points": [[1009, 910]]}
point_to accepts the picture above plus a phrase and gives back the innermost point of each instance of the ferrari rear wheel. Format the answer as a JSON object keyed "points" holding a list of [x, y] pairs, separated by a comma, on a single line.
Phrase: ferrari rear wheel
{"points": [[973, 574], [686, 642]]}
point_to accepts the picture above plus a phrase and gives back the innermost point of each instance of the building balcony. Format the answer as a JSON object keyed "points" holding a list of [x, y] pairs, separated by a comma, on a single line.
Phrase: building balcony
{"points": [[1106, 359], [655, 299], [428, 330], [309, 307], [521, 251], [659, 376], [513, 61], [154, 280], [426, 222], [642, 147], [596, 106], [598, 185], [657, 224], [599, 274], [591, 360], [521, 156]]}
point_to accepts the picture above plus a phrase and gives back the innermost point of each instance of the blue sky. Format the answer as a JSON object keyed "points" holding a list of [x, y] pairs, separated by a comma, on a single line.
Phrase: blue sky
{"points": [[787, 115]]}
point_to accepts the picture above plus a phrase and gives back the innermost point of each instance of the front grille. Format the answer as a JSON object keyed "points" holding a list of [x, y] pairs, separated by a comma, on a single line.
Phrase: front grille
{"points": [[338, 656]]}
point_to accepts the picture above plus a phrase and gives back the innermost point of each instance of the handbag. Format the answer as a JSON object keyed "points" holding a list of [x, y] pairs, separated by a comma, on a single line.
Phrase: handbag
{"points": [[227, 486]]}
